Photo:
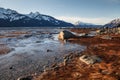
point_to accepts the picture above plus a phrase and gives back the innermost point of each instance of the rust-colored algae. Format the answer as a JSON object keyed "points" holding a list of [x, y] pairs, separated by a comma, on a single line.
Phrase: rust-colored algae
{"points": [[108, 69]]}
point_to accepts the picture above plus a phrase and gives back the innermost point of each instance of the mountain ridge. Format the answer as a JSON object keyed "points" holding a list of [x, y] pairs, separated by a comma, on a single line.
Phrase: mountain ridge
{"points": [[113, 23], [86, 25], [9, 18]]}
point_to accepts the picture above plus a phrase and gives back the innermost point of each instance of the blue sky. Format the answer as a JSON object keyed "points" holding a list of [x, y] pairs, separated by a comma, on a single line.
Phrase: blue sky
{"points": [[91, 11]]}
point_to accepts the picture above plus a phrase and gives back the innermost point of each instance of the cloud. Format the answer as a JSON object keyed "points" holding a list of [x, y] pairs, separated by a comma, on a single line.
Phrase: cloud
{"points": [[100, 21]]}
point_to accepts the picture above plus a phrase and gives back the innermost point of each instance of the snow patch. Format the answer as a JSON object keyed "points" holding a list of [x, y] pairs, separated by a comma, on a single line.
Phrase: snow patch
{"points": [[3, 16], [46, 18]]}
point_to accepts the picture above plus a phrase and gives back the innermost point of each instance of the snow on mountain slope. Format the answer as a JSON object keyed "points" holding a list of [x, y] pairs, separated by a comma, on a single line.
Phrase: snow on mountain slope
{"points": [[116, 21], [86, 25], [2, 16], [113, 23], [7, 11], [46, 18], [13, 18], [39, 16], [13, 15], [82, 23], [35, 15], [10, 14]]}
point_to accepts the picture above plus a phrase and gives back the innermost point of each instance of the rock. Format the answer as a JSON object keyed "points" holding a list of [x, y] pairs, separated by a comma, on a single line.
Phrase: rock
{"points": [[46, 68], [109, 30], [97, 31], [77, 75], [105, 72], [119, 30], [100, 31], [26, 78], [38, 41], [106, 37], [28, 35], [11, 67], [48, 50], [83, 34], [56, 67], [89, 59], [65, 61], [64, 35]]}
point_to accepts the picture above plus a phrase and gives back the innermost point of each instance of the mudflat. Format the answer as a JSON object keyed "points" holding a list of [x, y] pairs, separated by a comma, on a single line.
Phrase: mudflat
{"points": [[29, 51]]}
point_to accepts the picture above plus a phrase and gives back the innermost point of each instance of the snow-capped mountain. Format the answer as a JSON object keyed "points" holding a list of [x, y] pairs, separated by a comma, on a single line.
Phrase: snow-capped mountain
{"points": [[113, 23], [82, 23], [39, 16], [10, 14], [11, 18], [86, 25]]}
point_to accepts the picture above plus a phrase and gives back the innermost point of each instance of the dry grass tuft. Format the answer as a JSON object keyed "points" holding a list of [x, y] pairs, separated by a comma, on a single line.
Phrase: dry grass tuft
{"points": [[4, 49]]}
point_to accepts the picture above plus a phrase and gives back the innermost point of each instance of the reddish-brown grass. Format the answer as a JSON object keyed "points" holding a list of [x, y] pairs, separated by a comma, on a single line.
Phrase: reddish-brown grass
{"points": [[108, 69], [4, 49]]}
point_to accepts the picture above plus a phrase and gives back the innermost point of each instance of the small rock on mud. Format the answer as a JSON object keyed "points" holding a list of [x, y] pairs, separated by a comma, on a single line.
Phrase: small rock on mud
{"points": [[88, 59]]}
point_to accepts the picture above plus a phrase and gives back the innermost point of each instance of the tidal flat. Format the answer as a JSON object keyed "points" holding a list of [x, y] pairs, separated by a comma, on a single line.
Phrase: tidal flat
{"points": [[26, 51]]}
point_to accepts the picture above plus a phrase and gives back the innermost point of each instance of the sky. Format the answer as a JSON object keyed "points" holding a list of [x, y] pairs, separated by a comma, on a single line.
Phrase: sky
{"points": [[90, 11]]}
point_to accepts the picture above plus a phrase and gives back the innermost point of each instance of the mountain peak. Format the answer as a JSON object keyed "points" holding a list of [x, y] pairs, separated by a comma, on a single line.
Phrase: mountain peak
{"points": [[116, 20], [34, 15], [12, 18], [86, 25], [113, 23], [7, 11], [37, 13]]}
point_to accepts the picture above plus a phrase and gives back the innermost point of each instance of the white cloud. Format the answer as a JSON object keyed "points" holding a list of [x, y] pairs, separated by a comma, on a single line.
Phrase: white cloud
{"points": [[100, 21]]}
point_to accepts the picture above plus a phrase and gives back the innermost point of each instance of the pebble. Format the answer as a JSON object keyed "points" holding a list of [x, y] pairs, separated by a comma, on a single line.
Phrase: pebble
{"points": [[49, 50], [25, 78]]}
